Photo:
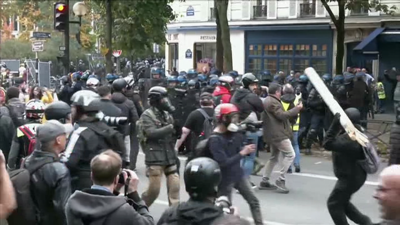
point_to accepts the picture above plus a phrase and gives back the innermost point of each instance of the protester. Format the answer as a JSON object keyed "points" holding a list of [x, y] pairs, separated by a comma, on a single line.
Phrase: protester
{"points": [[394, 141], [388, 195], [51, 183], [36, 93], [278, 134], [351, 176], [202, 186], [7, 196], [7, 130], [101, 204], [226, 147]]}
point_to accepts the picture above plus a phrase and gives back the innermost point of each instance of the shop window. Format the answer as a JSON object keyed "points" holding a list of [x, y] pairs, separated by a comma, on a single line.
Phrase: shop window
{"points": [[319, 50], [271, 65], [255, 66], [255, 50], [286, 50], [302, 50], [271, 50], [301, 64], [285, 65], [320, 65]]}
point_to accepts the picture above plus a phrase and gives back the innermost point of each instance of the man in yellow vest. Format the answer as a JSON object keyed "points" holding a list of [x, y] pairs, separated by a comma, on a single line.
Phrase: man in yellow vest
{"points": [[289, 100], [380, 90]]}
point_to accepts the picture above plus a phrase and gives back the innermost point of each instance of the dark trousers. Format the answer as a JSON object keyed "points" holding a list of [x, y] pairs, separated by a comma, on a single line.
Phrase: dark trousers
{"points": [[364, 114], [339, 204], [316, 129], [244, 188]]}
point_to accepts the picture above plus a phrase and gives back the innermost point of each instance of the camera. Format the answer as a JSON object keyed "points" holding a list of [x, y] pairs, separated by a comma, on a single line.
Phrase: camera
{"points": [[224, 203], [251, 126], [121, 179], [112, 121]]}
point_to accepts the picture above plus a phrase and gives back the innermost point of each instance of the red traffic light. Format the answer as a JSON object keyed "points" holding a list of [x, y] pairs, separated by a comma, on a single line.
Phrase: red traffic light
{"points": [[61, 8]]}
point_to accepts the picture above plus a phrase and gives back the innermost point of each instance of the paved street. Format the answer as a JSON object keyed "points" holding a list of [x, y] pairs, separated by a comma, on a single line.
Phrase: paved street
{"points": [[304, 205]]}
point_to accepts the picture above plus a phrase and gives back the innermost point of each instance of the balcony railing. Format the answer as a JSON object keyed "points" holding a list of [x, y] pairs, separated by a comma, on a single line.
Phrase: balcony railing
{"points": [[212, 14], [359, 12], [307, 10], [260, 11]]}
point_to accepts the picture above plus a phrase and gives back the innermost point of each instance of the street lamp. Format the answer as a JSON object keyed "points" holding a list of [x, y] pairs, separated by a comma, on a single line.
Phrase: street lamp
{"points": [[79, 10]]}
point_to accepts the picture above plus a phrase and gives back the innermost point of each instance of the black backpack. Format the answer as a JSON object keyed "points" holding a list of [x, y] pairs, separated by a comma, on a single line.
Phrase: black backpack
{"points": [[27, 212], [16, 114], [208, 125], [202, 149], [113, 138]]}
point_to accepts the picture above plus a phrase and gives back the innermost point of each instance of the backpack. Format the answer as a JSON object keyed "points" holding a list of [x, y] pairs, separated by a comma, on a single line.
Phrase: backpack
{"points": [[31, 137], [113, 138], [372, 161], [27, 212], [202, 149], [208, 125], [16, 115]]}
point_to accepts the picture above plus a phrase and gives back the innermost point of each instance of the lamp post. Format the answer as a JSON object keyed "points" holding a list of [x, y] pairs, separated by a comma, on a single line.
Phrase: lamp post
{"points": [[79, 9]]}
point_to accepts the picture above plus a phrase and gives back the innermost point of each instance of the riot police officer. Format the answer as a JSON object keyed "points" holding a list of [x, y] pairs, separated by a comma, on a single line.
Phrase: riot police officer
{"points": [[157, 77]]}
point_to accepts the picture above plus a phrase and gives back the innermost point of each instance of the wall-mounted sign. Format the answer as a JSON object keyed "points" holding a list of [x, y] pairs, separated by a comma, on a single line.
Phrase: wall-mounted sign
{"points": [[188, 54], [190, 11], [208, 38]]}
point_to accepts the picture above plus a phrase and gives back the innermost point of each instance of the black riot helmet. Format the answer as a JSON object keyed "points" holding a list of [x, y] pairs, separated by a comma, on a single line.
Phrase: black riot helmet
{"points": [[57, 111], [249, 79], [354, 115], [202, 177], [119, 84], [158, 97]]}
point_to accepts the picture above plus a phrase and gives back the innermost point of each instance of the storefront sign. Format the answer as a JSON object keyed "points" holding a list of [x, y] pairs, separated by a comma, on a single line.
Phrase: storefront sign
{"points": [[208, 38], [188, 54], [190, 11]]}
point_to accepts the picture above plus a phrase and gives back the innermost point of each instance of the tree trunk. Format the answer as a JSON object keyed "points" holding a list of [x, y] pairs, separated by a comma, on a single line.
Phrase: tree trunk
{"points": [[340, 34], [222, 6], [219, 64], [109, 63]]}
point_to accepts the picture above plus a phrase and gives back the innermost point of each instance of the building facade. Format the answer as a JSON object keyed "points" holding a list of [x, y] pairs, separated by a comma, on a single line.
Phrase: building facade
{"points": [[279, 35]]}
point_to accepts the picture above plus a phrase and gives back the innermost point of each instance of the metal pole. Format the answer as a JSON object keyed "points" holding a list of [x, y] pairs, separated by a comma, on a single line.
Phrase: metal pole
{"points": [[66, 40], [37, 68]]}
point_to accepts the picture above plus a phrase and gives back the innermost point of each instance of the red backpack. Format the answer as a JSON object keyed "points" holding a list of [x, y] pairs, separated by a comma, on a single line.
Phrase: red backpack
{"points": [[31, 137]]}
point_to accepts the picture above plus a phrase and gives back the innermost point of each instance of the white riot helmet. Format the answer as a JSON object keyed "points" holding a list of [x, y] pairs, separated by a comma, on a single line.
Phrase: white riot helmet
{"points": [[34, 109], [226, 81], [130, 81], [88, 100]]}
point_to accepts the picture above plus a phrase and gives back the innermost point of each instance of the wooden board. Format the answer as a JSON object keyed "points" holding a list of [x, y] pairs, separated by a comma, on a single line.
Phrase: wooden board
{"points": [[334, 106]]}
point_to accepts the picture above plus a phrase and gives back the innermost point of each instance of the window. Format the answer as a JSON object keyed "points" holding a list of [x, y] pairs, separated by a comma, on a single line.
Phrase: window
{"points": [[319, 65], [301, 64], [15, 23], [255, 66], [319, 50], [285, 65], [302, 50], [286, 50], [255, 50], [271, 50], [271, 65]]}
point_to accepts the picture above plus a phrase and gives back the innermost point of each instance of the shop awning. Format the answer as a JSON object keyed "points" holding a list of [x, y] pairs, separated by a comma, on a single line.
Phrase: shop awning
{"points": [[371, 37]]}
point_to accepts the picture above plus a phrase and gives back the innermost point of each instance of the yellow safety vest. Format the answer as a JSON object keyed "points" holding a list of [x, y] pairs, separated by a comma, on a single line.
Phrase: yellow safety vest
{"points": [[381, 91], [285, 105]]}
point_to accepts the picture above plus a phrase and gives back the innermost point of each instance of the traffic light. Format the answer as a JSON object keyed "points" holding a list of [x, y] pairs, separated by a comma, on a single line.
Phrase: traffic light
{"points": [[60, 16]]}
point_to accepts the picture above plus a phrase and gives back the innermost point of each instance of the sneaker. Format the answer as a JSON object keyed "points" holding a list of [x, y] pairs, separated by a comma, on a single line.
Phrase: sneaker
{"points": [[266, 185], [257, 168], [253, 186], [289, 170], [297, 169], [281, 187]]}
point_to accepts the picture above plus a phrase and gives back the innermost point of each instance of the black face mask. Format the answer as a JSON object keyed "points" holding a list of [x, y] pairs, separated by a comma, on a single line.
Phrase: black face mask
{"points": [[166, 105]]}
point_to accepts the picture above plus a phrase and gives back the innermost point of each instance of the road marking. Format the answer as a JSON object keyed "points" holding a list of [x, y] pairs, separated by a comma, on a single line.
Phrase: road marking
{"points": [[318, 163], [160, 202], [371, 183]]}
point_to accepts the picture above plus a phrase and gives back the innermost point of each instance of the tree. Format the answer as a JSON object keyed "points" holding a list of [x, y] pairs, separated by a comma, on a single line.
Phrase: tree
{"points": [[219, 64], [222, 12], [339, 21]]}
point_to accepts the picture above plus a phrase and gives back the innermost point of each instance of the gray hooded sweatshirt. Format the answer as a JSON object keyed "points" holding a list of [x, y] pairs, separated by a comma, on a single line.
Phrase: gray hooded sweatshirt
{"points": [[98, 207]]}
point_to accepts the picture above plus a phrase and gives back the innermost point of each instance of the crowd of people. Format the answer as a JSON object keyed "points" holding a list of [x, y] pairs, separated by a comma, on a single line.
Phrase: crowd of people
{"points": [[78, 148]]}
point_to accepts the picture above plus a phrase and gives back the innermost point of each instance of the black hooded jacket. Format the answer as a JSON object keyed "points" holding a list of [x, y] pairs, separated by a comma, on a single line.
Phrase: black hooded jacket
{"points": [[247, 102], [127, 107], [345, 152], [191, 213]]}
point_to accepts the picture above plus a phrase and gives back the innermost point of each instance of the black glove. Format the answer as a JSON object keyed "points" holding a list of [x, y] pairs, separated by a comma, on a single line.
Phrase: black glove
{"points": [[335, 126]]}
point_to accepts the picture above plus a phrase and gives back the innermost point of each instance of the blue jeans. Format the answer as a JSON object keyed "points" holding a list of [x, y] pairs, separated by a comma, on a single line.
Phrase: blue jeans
{"points": [[296, 147], [247, 162]]}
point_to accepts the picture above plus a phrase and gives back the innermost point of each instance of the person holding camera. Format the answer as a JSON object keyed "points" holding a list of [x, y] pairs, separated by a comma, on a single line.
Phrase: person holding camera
{"points": [[202, 177], [156, 129], [101, 204], [226, 147]]}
